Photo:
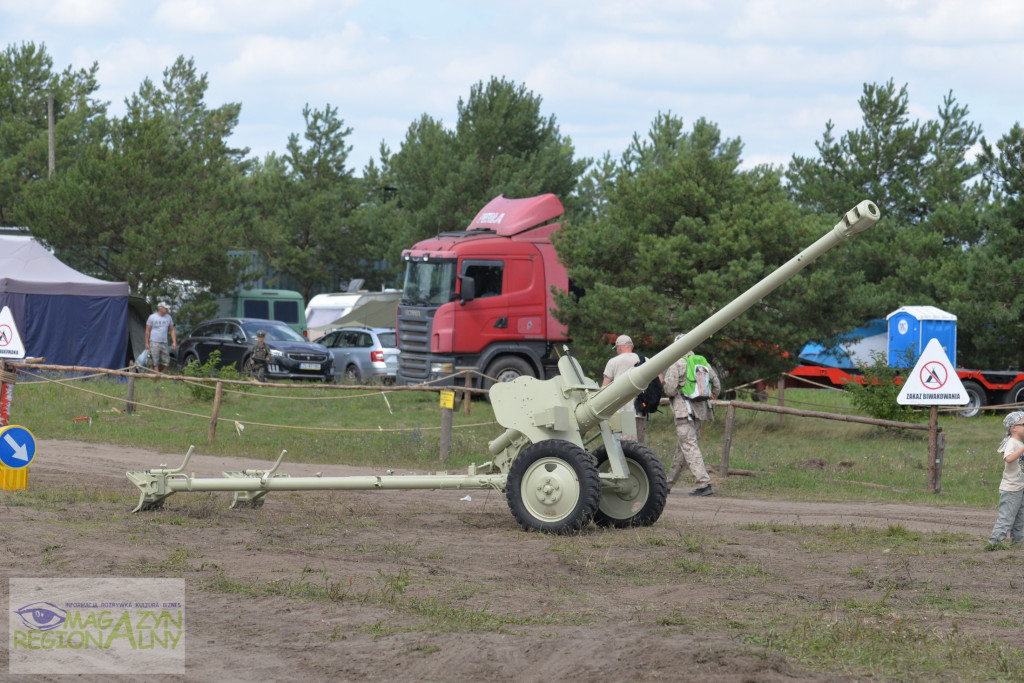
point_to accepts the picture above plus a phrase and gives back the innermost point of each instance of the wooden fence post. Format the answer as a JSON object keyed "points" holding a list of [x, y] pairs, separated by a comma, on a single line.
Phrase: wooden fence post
{"points": [[940, 456], [933, 446], [782, 395], [447, 399], [730, 420], [129, 406], [468, 398], [217, 396], [446, 432]]}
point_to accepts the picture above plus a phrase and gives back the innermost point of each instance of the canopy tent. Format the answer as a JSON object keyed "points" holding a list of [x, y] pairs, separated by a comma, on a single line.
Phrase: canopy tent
{"points": [[138, 314], [368, 314], [62, 315]]}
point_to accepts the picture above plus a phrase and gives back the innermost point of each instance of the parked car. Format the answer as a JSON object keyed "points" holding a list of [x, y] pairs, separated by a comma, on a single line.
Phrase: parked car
{"points": [[363, 353], [291, 356]]}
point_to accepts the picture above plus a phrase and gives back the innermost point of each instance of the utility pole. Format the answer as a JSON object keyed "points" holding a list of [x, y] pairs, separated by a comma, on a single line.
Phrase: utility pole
{"points": [[52, 137]]}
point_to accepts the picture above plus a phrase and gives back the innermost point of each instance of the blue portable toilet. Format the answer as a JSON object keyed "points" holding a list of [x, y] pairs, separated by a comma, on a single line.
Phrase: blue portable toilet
{"points": [[912, 327]]}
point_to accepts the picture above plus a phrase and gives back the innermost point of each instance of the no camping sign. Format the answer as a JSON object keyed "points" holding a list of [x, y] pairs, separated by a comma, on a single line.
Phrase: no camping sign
{"points": [[933, 381]]}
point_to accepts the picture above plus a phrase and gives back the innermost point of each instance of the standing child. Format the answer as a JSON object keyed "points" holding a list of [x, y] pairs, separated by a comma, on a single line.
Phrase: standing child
{"points": [[1011, 488]]}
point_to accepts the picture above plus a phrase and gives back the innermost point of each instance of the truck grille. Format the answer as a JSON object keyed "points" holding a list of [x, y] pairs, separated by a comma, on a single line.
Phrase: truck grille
{"points": [[414, 327], [413, 334], [413, 367]]}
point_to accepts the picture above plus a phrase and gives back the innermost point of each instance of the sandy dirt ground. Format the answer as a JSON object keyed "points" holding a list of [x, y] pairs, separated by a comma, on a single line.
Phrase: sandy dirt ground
{"points": [[425, 585]]}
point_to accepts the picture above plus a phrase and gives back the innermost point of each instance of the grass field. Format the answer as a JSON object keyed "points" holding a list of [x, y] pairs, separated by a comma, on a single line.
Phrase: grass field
{"points": [[799, 458]]}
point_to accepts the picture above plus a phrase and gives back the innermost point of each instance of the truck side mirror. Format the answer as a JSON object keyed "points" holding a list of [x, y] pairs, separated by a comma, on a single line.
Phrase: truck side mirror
{"points": [[468, 291]]}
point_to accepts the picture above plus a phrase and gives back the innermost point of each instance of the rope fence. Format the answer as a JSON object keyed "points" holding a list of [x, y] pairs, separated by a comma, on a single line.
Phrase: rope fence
{"points": [[9, 374], [36, 372]]}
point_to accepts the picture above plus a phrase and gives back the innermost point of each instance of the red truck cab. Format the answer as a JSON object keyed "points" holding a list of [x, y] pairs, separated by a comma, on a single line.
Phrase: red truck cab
{"points": [[483, 298]]}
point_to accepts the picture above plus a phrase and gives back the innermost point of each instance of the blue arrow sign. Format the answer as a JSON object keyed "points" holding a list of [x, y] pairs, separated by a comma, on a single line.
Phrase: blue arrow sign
{"points": [[17, 447]]}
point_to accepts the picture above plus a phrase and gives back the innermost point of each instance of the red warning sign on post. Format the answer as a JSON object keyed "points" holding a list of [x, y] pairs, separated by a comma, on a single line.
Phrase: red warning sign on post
{"points": [[10, 341]]}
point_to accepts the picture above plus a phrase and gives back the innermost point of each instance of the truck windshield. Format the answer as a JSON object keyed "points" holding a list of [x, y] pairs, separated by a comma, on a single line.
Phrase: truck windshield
{"points": [[429, 282]]}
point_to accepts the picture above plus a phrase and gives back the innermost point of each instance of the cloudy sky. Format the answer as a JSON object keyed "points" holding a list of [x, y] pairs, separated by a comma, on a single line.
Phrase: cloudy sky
{"points": [[770, 72]]}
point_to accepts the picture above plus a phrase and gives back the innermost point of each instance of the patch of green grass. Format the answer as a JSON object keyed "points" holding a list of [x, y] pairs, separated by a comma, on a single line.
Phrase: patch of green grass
{"points": [[59, 497], [175, 563], [889, 648], [946, 600], [305, 587], [389, 590], [847, 538]]}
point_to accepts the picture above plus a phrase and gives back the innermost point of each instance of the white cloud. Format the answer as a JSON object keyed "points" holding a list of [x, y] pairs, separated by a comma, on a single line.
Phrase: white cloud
{"points": [[70, 13], [242, 16], [769, 71]]}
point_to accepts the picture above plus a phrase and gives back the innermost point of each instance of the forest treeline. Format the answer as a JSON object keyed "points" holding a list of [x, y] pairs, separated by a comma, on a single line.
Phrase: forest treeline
{"points": [[658, 235]]}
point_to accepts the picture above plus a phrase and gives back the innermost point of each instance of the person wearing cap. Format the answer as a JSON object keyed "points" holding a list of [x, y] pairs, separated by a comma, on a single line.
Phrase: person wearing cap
{"points": [[689, 416], [618, 365], [260, 355], [158, 325], [1011, 488]]}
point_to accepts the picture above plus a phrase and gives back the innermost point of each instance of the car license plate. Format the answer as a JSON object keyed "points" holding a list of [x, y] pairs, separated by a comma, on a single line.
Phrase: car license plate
{"points": [[309, 366]]}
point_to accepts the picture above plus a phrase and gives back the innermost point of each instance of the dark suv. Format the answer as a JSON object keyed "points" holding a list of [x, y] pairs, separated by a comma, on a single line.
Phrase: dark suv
{"points": [[291, 356]]}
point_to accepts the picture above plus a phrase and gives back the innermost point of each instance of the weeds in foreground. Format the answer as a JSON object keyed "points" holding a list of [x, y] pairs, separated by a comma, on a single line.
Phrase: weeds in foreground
{"points": [[890, 647]]}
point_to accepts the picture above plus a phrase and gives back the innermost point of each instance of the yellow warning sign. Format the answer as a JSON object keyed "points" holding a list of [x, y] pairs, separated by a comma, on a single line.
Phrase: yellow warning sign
{"points": [[448, 399]]}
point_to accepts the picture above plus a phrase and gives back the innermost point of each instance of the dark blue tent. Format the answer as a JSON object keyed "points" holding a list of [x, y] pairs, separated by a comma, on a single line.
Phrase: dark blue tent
{"points": [[62, 315]]}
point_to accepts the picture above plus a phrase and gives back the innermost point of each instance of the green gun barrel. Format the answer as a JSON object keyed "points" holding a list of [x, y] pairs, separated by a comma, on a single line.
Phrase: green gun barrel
{"points": [[625, 388]]}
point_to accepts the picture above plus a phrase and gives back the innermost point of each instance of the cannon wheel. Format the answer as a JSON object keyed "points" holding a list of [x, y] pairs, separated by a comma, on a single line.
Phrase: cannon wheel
{"points": [[642, 503], [553, 487]]}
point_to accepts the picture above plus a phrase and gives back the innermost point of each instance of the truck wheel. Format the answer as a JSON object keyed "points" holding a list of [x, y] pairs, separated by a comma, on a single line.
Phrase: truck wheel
{"points": [[975, 399], [506, 369], [1015, 395], [642, 503], [553, 487]]}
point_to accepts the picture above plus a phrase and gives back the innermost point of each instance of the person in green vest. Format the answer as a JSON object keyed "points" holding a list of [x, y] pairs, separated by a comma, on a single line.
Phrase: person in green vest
{"points": [[691, 383]]}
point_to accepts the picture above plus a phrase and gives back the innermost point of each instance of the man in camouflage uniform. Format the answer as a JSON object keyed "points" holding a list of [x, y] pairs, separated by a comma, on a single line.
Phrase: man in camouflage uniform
{"points": [[689, 415], [260, 355]]}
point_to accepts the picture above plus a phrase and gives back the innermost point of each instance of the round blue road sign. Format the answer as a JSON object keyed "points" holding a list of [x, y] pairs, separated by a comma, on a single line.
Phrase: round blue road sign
{"points": [[17, 446]]}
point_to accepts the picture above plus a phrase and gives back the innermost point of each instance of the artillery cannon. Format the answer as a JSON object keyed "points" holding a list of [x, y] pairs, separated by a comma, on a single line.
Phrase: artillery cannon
{"points": [[551, 481]]}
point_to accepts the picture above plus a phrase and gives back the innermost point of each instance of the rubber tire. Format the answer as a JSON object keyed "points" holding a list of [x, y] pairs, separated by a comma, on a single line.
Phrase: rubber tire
{"points": [[188, 358], [506, 369], [649, 494], [1015, 395], [563, 472], [352, 375], [977, 401]]}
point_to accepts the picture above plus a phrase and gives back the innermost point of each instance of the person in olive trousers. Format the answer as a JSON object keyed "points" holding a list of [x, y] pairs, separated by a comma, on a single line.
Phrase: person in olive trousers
{"points": [[689, 415]]}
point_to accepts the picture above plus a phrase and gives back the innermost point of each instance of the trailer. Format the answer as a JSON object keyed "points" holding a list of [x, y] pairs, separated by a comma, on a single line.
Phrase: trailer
{"points": [[984, 388], [903, 334], [558, 461]]}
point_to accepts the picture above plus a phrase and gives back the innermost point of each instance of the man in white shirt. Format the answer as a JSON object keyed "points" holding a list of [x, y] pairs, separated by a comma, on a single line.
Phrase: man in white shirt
{"points": [[157, 327], [620, 364]]}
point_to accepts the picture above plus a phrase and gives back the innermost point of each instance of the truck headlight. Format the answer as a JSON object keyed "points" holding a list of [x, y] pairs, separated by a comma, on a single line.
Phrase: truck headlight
{"points": [[437, 368]]}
